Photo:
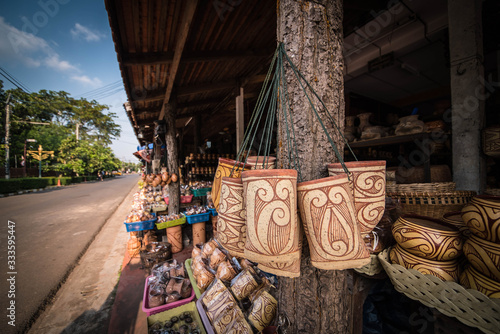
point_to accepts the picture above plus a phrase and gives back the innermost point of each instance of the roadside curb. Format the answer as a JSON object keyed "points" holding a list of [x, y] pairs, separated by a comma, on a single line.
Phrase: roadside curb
{"points": [[27, 191]]}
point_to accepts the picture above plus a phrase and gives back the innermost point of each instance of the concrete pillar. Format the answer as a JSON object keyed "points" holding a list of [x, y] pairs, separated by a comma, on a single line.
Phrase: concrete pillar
{"points": [[467, 93], [240, 119]]}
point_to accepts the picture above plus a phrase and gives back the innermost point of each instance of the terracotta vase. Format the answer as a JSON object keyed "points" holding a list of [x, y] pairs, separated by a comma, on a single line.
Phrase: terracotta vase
{"points": [[262, 162], [231, 227], [174, 237], [364, 121], [329, 219], [224, 169], [482, 217], [368, 180], [199, 235], [491, 141], [271, 206]]}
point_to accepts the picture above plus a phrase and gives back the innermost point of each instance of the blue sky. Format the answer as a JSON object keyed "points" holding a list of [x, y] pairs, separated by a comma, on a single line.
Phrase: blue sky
{"points": [[65, 45]]}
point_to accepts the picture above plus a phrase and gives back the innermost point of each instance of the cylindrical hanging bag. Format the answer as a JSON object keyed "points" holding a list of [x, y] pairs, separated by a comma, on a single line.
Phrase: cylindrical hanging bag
{"points": [[174, 237], [231, 227], [329, 218], [262, 162], [368, 179], [271, 205], [199, 233], [224, 170]]}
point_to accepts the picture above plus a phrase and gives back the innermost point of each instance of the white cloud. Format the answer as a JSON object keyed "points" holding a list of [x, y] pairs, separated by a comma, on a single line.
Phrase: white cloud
{"points": [[54, 62], [95, 82], [80, 31]]}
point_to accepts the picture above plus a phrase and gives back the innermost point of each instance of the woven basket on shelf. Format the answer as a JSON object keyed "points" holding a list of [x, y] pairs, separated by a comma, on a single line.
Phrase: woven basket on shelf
{"points": [[420, 187], [492, 191], [432, 204], [469, 306]]}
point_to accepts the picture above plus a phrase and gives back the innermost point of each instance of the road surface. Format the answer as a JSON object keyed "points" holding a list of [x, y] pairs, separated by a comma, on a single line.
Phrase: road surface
{"points": [[52, 230]]}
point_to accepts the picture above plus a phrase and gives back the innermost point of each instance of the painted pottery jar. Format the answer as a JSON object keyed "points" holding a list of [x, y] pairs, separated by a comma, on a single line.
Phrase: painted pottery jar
{"points": [[428, 238], [409, 125], [491, 141], [263, 311], [445, 270], [455, 218], [262, 162], [364, 121], [231, 227], [229, 168], [368, 181], [472, 279], [271, 206], [484, 256], [350, 130], [482, 217], [329, 218], [174, 237]]}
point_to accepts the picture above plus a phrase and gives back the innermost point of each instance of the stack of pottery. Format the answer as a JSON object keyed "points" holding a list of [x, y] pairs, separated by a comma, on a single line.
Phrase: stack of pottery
{"points": [[482, 248], [427, 245]]}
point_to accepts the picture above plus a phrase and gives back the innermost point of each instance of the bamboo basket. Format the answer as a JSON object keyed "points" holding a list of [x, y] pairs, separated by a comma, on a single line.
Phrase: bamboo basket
{"points": [[432, 204], [371, 269], [469, 306], [421, 187]]}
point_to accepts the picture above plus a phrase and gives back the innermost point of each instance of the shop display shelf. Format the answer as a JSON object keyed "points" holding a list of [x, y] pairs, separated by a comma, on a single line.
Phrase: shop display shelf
{"points": [[199, 218], [201, 192], [154, 310], [141, 226], [175, 312], [171, 223], [187, 264]]}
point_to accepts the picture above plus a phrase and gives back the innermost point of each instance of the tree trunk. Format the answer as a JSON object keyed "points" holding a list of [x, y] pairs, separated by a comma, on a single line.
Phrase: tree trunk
{"points": [[318, 301], [172, 157]]}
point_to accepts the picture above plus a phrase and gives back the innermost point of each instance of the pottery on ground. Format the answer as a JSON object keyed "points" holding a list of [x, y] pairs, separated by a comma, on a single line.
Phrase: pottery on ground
{"points": [[428, 238], [329, 219], [199, 233], [455, 218], [231, 227], [484, 256], [482, 217], [445, 270], [174, 237], [368, 179], [229, 168], [472, 279], [271, 215], [262, 162]]}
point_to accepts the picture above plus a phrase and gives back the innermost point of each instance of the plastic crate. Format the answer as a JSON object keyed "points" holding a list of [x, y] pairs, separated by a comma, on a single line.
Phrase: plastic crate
{"points": [[184, 199], [171, 223], [187, 264], [213, 212], [200, 192], [199, 218], [154, 310], [141, 226], [189, 307]]}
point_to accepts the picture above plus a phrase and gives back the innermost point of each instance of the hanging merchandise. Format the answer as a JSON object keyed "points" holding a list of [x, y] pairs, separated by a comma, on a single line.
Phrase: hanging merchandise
{"points": [[231, 227], [225, 168]]}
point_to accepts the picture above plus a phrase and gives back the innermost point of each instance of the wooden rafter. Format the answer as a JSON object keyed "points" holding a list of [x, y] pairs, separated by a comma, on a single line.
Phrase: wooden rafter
{"points": [[179, 48]]}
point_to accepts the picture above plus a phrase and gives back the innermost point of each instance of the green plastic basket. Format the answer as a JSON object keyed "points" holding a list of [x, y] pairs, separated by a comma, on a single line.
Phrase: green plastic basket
{"points": [[200, 192], [171, 223], [197, 291]]}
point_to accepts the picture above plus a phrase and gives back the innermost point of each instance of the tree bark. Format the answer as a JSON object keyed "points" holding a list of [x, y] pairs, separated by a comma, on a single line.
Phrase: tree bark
{"points": [[172, 156], [319, 301]]}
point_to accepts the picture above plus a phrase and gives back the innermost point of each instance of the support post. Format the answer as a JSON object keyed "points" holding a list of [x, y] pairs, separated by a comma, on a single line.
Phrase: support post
{"points": [[172, 156], [7, 139], [240, 119], [467, 93]]}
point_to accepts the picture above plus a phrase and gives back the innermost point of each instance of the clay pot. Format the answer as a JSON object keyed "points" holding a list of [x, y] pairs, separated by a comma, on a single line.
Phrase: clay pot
{"points": [[224, 169], [472, 279], [263, 311], [455, 218], [484, 256], [368, 178], [482, 217], [491, 141], [199, 235], [231, 227], [428, 238], [445, 270], [329, 217], [271, 207], [262, 162], [408, 125], [364, 121], [174, 237]]}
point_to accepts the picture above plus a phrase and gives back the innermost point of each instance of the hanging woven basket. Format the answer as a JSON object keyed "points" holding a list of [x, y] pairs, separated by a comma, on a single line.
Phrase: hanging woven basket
{"points": [[226, 168]]}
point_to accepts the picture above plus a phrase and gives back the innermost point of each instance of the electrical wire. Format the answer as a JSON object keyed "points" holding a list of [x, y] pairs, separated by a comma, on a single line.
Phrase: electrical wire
{"points": [[14, 81]]}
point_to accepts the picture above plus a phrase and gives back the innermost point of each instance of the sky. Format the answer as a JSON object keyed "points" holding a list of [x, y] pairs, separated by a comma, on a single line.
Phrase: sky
{"points": [[65, 45]]}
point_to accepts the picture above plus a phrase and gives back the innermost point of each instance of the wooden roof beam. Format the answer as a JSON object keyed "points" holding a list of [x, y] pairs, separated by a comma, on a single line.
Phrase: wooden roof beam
{"points": [[187, 18], [157, 58]]}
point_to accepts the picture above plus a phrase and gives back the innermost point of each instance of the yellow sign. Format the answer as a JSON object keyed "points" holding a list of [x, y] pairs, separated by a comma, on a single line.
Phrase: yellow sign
{"points": [[40, 154]]}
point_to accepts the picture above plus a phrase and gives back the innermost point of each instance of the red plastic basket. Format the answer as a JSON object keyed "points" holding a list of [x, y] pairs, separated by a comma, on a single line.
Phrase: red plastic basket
{"points": [[154, 310], [184, 199]]}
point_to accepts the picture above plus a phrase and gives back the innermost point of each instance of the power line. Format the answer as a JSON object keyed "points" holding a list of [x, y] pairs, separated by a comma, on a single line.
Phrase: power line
{"points": [[99, 90], [16, 82]]}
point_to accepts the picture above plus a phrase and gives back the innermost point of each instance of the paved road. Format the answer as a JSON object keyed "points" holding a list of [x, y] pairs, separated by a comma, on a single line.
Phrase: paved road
{"points": [[52, 230]]}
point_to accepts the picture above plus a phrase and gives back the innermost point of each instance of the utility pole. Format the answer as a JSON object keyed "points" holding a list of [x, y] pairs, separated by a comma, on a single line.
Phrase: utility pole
{"points": [[7, 135], [77, 134]]}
